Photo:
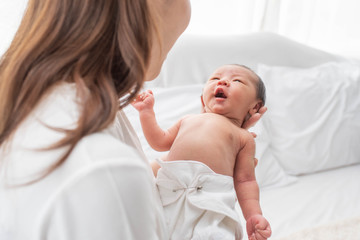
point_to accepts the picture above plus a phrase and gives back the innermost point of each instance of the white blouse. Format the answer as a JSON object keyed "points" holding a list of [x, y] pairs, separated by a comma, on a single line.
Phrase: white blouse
{"points": [[104, 190]]}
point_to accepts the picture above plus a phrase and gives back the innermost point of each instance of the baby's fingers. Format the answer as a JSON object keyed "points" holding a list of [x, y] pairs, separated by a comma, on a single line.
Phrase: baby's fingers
{"points": [[145, 94], [142, 96], [262, 231], [136, 100], [254, 118], [252, 237], [143, 100], [262, 110], [263, 234]]}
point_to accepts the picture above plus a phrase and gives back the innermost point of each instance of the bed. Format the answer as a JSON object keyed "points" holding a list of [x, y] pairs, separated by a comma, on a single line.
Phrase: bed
{"points": [[308, 142]]}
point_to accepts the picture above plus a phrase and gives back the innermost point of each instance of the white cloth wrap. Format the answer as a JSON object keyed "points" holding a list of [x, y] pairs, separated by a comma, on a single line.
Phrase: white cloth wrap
{"points": [[198, 203]]}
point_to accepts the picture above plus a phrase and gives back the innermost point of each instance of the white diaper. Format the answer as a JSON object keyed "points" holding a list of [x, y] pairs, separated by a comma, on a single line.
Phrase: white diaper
{"points": [[198, 203]]}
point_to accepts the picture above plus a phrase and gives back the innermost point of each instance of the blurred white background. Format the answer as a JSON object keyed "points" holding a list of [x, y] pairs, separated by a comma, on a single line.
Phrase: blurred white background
{"points": [[11, 12], [330, 25]]}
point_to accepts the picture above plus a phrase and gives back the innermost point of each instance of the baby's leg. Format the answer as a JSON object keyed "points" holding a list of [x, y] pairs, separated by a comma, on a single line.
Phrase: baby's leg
{"points": [[155, 167]]}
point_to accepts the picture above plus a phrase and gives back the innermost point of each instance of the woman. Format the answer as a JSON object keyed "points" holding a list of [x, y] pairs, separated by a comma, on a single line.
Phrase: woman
{"points": [[71, 164]]}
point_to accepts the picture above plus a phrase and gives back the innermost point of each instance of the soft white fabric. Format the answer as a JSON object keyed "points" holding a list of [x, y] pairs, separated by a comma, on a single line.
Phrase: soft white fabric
{"points": [[104, 190], [314, 116], [315, 200], [171, 104], [194, 58], [198, 203], [345, 229], [269, 173]]}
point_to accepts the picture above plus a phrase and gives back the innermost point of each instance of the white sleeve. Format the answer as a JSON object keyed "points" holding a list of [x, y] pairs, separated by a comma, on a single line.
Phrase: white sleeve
{"points": [[109, 201]]}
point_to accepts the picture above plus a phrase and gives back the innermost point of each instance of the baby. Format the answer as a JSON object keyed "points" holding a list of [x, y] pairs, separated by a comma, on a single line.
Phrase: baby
{"points": [[210, 162]]}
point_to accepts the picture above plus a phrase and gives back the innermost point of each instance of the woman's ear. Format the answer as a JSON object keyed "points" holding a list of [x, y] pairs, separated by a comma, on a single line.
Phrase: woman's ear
{"points": [[255, 108]]}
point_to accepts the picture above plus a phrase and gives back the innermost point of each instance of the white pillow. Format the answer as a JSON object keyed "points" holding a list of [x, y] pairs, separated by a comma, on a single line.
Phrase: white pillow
{"points": [[269, 173], [313, 116], [173, 103]]}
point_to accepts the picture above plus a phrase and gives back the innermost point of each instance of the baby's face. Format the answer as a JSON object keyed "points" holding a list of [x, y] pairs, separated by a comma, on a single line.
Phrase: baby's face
{"points": [[230, 91]]}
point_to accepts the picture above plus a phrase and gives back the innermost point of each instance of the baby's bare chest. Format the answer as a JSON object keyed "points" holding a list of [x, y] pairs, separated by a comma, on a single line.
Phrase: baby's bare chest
{"points": [[213, 131]]}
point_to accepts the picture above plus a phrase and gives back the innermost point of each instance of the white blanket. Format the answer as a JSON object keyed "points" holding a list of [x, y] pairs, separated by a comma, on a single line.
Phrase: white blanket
{"points": [[347, 229]]}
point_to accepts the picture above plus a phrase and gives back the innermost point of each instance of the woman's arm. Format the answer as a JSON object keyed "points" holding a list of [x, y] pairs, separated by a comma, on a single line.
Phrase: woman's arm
{"points": [[158, 139]]}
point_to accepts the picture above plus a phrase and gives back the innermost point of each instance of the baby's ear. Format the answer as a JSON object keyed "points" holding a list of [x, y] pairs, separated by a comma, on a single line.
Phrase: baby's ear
{"points": [[255, 108]]}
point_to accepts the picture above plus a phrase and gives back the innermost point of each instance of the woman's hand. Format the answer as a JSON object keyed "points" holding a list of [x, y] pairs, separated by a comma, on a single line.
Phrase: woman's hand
{"points": [[144, 101], [251, 122], [254, 118]]}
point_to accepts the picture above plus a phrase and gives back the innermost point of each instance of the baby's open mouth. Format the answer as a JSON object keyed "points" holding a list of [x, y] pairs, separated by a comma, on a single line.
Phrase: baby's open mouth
{"points": [[219, 93]]}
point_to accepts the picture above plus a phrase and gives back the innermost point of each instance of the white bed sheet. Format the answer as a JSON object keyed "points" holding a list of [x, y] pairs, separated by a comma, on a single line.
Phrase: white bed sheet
{"points": [[314, 200]]}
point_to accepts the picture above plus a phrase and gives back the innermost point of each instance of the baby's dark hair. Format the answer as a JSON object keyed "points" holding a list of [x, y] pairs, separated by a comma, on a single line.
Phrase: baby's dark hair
{"points": [[260, 88]]}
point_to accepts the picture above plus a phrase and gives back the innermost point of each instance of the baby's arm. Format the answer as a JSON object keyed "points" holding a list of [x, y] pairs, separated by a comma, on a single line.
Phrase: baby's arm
{"points": [[247, 189], [157, 138]]}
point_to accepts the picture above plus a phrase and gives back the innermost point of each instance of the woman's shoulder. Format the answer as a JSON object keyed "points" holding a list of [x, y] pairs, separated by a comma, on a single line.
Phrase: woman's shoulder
{"points": [[40, 131], [105, 146], [101, 153], [59, 108]]}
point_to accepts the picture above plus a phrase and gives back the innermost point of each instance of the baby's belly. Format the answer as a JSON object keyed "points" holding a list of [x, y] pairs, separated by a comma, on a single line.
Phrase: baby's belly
{"points": [[219, 158]]}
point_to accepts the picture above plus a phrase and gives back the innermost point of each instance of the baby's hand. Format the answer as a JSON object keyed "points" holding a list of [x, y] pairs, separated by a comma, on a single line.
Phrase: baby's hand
{"points": [[144, 101], [258, 228]]}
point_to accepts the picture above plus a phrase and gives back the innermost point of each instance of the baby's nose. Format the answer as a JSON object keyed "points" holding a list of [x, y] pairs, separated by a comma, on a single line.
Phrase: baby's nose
{"points": [[223, 82]]}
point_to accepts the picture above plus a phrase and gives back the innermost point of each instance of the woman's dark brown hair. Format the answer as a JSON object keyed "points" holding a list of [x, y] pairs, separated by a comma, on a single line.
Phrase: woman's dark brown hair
{"points": [[103, 46]]}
